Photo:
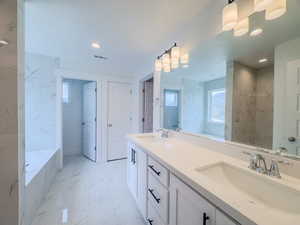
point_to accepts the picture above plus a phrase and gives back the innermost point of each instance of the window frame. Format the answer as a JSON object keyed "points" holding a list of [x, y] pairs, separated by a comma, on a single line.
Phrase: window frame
{"points": [[66, 99], [209, 105]]}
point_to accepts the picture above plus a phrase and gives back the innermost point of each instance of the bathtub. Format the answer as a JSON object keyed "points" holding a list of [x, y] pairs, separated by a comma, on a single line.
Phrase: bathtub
{"points": [[41, 168]]}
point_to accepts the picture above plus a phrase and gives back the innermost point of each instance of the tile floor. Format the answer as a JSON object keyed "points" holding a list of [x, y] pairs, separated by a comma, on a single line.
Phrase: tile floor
{"points": [[85, 193]]}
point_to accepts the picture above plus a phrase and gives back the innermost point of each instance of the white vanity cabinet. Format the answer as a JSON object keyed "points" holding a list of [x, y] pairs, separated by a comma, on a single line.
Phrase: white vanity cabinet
{"points": [[137, 176], [187, 207], [163, 199]]}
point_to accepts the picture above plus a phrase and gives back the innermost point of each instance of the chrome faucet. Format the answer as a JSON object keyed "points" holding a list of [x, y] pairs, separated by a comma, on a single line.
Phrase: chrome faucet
{"points": [[258, 163]]}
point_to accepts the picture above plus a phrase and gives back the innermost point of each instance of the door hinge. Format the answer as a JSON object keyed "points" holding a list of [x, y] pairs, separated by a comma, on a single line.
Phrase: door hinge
{"points": [[95, 89], [143, 90], [143, 120], [95, 148], [95, 119]]}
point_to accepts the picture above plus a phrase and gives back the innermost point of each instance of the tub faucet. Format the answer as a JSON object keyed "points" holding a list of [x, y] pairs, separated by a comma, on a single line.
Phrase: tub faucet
{"points": [[274, 169]]}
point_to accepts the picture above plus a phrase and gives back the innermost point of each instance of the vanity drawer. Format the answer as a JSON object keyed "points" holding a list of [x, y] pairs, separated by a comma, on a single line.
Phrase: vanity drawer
{"points": [[158, 171], [158, 197], [153, 217]]}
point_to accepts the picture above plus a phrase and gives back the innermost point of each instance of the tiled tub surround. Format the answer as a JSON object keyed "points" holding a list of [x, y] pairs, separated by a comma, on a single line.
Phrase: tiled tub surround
{"points": [[41, 169], [182, 154]]}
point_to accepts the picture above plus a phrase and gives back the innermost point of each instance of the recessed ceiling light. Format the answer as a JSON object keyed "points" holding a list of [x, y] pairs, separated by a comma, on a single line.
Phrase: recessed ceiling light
{"points": [[2, 42], [256, 32], [96, 45], [263, 60]]}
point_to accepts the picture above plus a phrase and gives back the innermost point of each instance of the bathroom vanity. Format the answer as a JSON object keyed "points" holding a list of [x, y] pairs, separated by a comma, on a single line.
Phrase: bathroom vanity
{"points": [[179, 181]]}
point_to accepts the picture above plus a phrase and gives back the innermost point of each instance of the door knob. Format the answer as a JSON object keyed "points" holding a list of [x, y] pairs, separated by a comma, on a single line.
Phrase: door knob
{"points": [[292, 139]]}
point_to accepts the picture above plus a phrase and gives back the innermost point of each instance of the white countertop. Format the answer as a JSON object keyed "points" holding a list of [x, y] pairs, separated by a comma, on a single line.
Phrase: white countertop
{"points": [[182, 158]]}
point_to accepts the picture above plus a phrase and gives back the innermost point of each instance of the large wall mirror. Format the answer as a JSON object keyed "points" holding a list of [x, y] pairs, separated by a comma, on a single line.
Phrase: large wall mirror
{"points": [[242, 89]]}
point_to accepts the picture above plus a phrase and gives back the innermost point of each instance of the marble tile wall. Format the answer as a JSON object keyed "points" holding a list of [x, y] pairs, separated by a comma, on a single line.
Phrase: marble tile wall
{"points": [[40, 102], [11, 113]]}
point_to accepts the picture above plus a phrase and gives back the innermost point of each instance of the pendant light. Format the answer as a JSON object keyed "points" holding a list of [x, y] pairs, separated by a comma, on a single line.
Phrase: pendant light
{"points": [[230, 15], [166, 62], [276, 9], [184, 59], [242, 27], [260, 5], [175, 63], [175, 55], [158, 65]]}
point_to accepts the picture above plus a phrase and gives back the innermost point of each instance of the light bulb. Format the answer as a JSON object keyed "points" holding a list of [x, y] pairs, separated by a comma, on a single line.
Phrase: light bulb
{"points": [[230, 16]]}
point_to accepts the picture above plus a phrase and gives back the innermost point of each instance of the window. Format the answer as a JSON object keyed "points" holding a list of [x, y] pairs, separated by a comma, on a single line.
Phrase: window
{"points": [[216, 106], [171, 98], [65, 92]]}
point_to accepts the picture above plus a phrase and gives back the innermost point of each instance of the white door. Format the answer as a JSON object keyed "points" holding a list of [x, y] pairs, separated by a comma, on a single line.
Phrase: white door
{"points": [[89, 120], [188, 207], [119, 118], [292, 116]]}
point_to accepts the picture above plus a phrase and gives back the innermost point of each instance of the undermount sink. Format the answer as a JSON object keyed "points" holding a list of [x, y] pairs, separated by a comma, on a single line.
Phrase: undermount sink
{"points": [[239, 183]]}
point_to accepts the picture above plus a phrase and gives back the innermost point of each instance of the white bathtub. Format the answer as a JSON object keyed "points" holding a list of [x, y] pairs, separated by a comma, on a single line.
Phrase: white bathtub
{"points": [[41, 169], [35, 161]]}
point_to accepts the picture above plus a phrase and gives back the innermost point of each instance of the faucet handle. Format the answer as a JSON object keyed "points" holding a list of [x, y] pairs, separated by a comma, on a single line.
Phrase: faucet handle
{"points": [[274, 169]]}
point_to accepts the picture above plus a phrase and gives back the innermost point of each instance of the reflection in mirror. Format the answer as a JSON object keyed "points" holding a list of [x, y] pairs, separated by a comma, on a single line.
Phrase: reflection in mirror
{"points": [[241, 89]]}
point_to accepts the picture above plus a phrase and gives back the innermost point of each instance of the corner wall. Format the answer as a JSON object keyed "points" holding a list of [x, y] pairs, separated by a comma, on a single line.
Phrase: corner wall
{"points": [[11, 113]]}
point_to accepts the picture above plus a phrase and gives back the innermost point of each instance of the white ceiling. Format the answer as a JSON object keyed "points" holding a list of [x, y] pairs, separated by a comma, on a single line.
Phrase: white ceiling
{"points": [[131, 32]]}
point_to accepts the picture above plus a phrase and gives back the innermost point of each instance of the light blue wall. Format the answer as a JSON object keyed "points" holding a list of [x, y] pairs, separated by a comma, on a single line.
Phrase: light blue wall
{"points": [[215, 129], [72, 118], [40, 102]]}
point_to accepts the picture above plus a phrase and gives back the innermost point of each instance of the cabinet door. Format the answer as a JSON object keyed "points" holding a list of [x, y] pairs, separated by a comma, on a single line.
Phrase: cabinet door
{"points": [[142, 182], [187, 207], [222, 219], [132, 170]]}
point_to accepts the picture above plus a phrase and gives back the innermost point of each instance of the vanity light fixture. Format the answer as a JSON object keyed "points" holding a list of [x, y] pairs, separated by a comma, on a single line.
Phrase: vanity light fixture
{"points": [[256, 32], [276, 9], [171, 59], [96, 45], [230, 15], [261, 5], [263, 60], [242, 27]]}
